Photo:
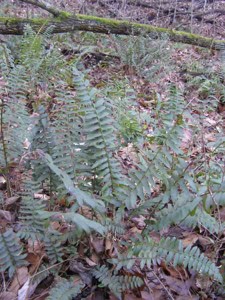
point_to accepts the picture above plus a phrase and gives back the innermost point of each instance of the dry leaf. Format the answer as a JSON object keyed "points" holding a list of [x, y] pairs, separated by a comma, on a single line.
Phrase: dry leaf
{"points": [[95, 258], [98, 245], [35, 247], [187, 137], [187, 298], [139, 221], [90, 262], [11, 200], [179, 286], [41, 196], [23, 292], [131, 297], [8, 296], [178, 272], [154, 295], [35, 261], [6, 215], [190, 239], [19, 279]]}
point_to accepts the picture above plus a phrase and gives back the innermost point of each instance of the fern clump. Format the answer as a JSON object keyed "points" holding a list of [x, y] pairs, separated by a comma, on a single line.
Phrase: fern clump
{"points": [[75, 190], [148, 57]]}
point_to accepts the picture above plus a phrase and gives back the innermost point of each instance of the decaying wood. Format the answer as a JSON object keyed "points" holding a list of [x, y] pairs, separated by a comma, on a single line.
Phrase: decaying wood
{"points": [[65, 22]]}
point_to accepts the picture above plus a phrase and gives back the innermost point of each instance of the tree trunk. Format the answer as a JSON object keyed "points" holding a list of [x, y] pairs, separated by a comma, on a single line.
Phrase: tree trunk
{"points": [[67, 22]]}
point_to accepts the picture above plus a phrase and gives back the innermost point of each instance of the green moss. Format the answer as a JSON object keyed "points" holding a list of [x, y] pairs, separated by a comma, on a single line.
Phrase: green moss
{"points": [[128, 27], [64, 15], [113, 22], [13, 20]]}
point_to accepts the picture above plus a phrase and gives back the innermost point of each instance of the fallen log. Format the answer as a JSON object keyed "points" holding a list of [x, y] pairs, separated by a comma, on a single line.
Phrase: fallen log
{"points": [[66, 22]]}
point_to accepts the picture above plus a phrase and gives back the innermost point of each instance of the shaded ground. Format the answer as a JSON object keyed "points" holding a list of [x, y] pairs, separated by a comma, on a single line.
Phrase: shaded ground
{"points": [[194, 71]]}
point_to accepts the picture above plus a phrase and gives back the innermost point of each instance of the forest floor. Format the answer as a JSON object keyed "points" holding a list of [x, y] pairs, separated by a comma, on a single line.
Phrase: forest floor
{"points": [[195, 72]]}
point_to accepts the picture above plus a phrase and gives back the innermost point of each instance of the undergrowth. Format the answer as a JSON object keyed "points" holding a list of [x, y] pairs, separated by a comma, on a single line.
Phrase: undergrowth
{"points": [[72, 162]]}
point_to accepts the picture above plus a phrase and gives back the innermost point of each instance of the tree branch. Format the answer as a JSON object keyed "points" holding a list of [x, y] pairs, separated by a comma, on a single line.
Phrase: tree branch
{"points": [[67, 22], [44, 6]]}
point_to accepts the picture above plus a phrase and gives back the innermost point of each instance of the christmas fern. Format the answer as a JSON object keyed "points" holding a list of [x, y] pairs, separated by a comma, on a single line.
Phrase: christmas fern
{"points": [[117, 283], [149, 252], [65, 290], [11, 252]]}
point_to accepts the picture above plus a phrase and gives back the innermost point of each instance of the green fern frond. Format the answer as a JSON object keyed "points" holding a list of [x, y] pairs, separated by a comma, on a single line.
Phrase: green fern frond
{"points": [[80, 221], [100, 139], [11, 256], [41, 59], [42, 138], [116, 283], [177, 212], [53, 247], [32, 225], [14, 116], [203, 219], [65, 290], [148, 252], [78, 195], [148, 57]]}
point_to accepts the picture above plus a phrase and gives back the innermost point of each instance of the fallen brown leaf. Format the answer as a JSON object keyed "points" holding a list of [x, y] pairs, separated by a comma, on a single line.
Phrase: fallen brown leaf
{"points": [[11, 200], [8, 296], [190, 239], [23, 291], [6, 215], [35, 261], [19, 279]]}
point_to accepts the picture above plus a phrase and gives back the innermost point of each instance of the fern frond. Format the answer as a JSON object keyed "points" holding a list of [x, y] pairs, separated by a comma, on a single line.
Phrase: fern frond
{"points": [[177, 212], [203, 219], [14, 115], [11, 256], [53, 246], [149, 252], [65, 290], [80, 196], [41, 60], [42, 138], [100, 139], [32, 225], [116, 283]]}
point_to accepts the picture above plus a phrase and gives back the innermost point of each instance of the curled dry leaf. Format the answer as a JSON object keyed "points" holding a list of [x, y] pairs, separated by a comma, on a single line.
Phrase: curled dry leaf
{"points": [[98, 245], [90, 262], [11, 200], [41, 196], [178, 272], [23, 291], [35, 247], [6, 215], [139, 221], [187, 137], [190, 239], [83, 270]]}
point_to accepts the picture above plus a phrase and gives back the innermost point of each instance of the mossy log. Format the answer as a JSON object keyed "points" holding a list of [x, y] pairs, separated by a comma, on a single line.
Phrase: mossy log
{"points": [[66, 22]]}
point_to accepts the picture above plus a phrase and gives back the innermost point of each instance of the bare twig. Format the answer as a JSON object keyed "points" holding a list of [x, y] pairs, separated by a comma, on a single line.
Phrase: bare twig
{"points": [[44, 6]]}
